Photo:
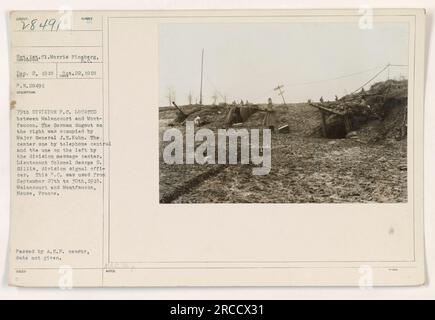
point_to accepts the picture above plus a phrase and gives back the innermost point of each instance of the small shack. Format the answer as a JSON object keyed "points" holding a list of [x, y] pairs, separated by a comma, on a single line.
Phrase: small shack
{"points": [[238, 114]]}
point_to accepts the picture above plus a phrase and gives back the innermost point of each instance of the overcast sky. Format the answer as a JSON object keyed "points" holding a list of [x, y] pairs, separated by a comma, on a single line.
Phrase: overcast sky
{"points": [[248, 60]]}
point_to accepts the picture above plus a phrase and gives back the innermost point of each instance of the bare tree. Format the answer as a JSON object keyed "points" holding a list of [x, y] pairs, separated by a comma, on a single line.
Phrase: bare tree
{"points": [[189, 98], [170, 95]]}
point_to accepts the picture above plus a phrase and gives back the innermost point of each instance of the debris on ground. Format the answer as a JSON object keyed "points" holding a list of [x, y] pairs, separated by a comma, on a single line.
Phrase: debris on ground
{"points": [[365, 164]]}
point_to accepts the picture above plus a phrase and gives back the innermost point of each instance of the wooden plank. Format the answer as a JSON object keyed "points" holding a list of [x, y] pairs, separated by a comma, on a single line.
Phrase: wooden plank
{"points": [[175, 105], [326, 109]]}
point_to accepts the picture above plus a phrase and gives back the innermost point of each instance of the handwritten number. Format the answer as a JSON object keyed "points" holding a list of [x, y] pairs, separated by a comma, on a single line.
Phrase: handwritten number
{"points": [[42, 26], [33, 23], [48, 24]]}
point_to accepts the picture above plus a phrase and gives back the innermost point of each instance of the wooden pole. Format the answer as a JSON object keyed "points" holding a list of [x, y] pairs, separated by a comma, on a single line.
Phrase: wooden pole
{"points": [[202, 71], [280, 92]]}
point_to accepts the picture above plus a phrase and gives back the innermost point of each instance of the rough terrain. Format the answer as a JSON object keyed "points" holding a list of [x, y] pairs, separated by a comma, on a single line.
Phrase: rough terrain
{"points": [[369, 166]]}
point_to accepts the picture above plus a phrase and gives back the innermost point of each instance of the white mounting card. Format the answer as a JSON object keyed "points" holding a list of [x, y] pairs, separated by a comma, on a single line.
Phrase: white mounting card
{"points": [[217, 148]]}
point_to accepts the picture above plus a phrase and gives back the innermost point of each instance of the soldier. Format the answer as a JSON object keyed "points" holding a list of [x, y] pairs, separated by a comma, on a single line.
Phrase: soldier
{"points": [[321, 99], [269, 104], [270, 120]]}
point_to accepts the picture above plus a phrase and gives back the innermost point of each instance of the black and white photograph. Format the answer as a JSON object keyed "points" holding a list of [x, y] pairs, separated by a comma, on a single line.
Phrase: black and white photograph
{"points": [[318, 108]]}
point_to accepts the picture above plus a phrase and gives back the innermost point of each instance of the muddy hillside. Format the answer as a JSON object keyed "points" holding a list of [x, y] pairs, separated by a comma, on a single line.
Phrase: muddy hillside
{"points": [[351, 149]]}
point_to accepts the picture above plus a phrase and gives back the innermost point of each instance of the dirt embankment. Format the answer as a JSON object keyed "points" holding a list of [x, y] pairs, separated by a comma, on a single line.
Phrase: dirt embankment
{"points": [[375, 115]]}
